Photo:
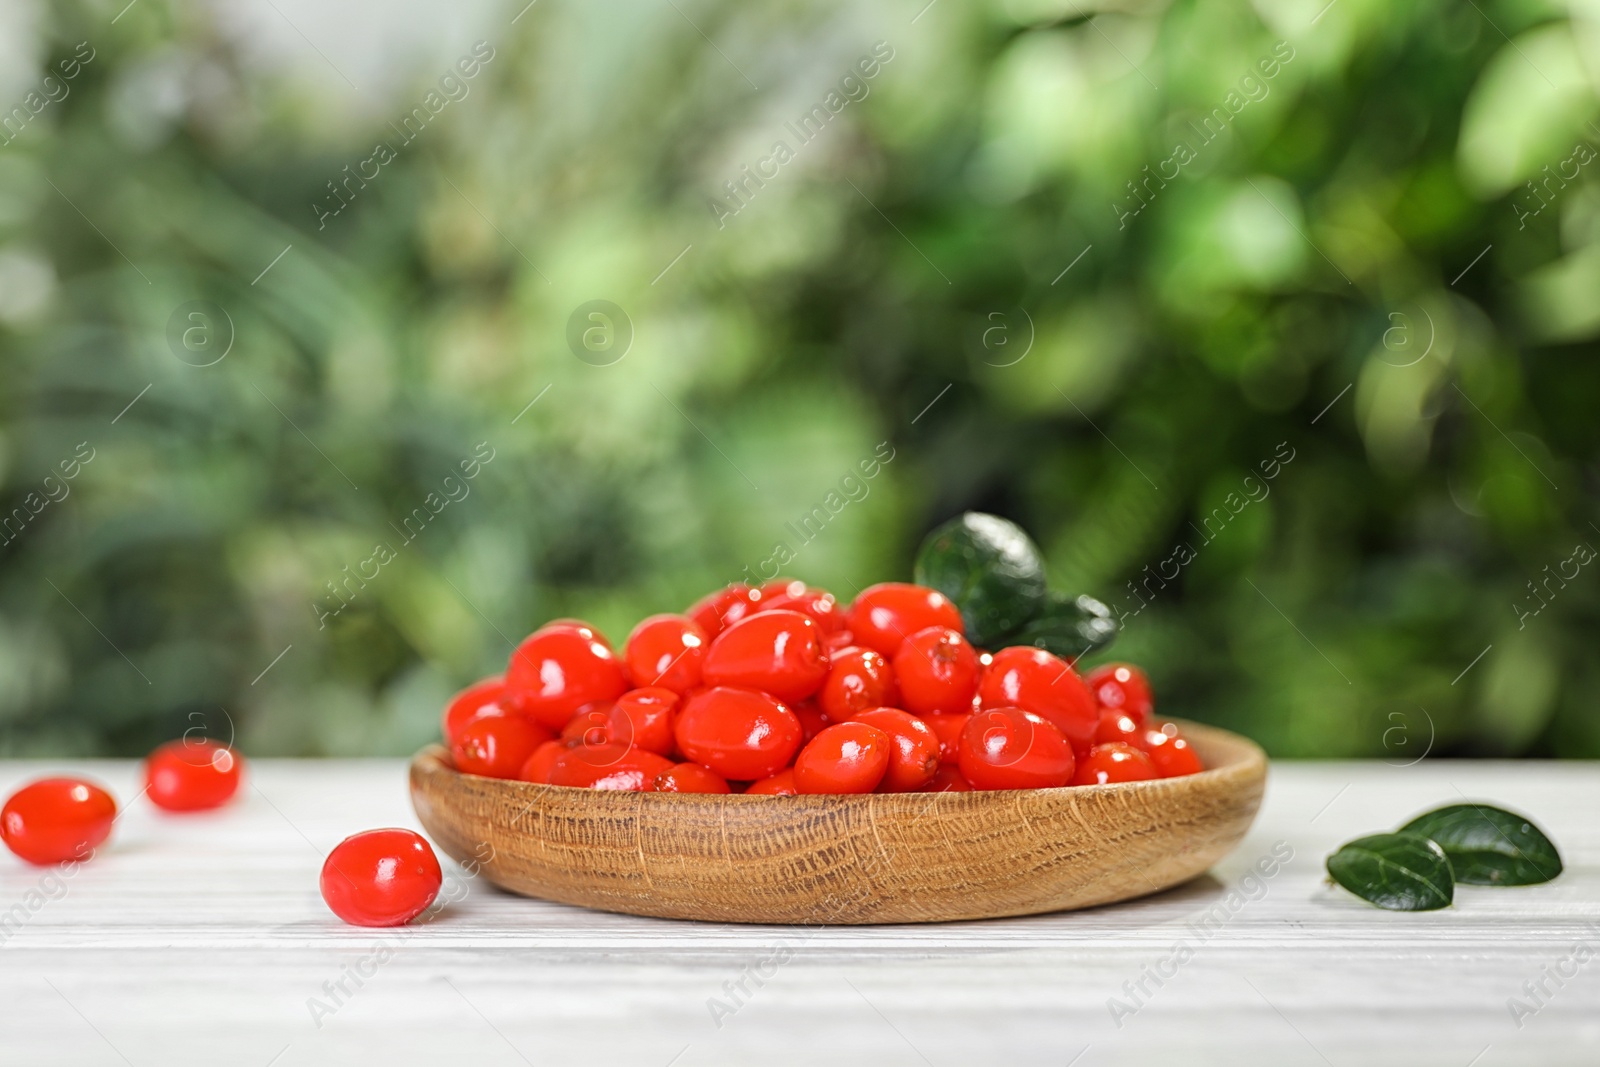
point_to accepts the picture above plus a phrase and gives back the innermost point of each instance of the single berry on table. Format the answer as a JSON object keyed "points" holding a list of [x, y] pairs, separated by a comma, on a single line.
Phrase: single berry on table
{"points": [[381, 877], [54, 820], [192, 774]]}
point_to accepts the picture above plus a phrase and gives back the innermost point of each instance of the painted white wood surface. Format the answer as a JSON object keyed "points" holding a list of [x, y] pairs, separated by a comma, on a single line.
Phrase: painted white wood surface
{"points": [[202, 939]]}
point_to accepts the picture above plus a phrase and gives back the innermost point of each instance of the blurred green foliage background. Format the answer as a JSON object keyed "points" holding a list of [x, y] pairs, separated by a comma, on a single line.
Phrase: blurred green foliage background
{"points": [[1382, 257]]}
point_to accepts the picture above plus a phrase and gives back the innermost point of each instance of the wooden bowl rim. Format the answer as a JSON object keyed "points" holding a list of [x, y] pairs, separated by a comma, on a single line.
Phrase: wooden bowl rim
{"points": [[1241, 758]]}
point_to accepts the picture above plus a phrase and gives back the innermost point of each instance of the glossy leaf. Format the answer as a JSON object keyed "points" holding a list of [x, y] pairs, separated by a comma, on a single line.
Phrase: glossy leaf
{"points": [[990, 569], [1401, 872], [1069, 627], [1489, 845]]}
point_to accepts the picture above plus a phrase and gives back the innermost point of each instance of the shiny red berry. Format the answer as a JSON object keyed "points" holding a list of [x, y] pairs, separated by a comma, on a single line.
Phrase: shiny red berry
{"points": [[479, 698], [54, 820], [649, 713], [947, 780], [1122, 687], [812, 720], [496, 746], [937, 671], [1171, 753], [558, 670], [779, 785], [782, 587], [594, 725], [537, 767], [381, 878], [666, 651], [818, 604], [639, 717], [1034, 680], [741, 734], [848, 757], [1118, 726], [715, 612], [858, 679], [1115, 761], [690, 778], [1009, 748], [192, 774], [777, 652], [947, 728], [914, 749], [886, 614], [627, 769], [586, 630]]}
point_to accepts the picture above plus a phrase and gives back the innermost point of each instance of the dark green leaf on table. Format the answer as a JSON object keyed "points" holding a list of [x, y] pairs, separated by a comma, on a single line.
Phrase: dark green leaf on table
{"points": [[1401, 872], [1489, 845], [1069, 626], [990, 569]]}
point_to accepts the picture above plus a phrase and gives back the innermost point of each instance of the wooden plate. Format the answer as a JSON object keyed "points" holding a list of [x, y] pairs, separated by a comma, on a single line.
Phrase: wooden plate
{"points": [[878, 858]]}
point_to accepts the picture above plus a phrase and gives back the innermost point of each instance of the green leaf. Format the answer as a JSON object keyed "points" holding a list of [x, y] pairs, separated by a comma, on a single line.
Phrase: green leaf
{"points": [[1070, 627], [1489, 845], [1401, 872], [990, 569]]}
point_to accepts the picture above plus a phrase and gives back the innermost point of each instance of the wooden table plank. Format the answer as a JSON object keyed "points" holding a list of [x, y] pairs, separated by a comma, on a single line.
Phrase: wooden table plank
{"points": [[202, 939]]}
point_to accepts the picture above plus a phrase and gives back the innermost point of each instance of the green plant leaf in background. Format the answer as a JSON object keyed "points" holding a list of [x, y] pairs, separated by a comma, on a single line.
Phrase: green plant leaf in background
{"points": [[1489, 845], [1400, 872], [1069, 626], [990, 569]]}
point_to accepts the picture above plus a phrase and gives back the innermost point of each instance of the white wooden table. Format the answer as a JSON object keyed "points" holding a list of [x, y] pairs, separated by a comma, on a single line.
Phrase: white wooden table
{"points": [[202, 940]]}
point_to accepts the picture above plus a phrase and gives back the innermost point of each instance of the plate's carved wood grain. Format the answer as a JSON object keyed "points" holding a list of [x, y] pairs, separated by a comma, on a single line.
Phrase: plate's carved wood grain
{"points": [[880, 858]]}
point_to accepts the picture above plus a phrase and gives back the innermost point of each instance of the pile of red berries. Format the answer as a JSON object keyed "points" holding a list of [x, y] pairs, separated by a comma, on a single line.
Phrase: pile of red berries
{"points": [[780, 689]]}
